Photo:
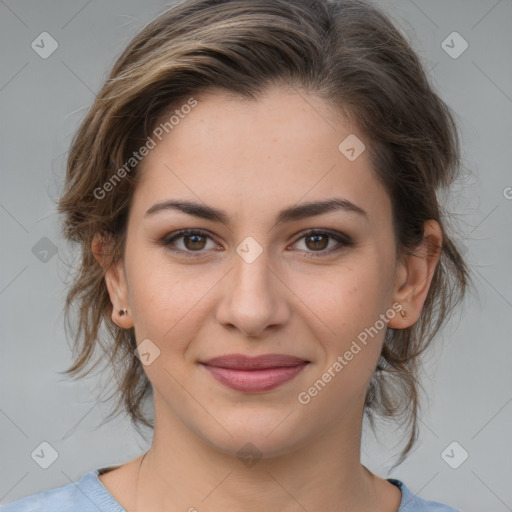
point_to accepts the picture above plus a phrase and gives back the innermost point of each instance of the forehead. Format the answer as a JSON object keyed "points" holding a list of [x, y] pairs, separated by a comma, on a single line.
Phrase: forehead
{"points": [[258, 156]]}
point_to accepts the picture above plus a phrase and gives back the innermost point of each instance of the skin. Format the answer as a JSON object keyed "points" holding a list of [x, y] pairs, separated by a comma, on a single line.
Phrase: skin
{"points": [[253, 159]]}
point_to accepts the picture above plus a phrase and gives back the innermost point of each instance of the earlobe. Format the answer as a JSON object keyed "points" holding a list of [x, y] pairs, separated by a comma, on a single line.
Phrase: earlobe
{"points": [[115, 280], [414, 276]]}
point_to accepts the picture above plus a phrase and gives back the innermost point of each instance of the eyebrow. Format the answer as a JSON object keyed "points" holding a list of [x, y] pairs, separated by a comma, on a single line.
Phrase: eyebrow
{"points": [[293, 213]]}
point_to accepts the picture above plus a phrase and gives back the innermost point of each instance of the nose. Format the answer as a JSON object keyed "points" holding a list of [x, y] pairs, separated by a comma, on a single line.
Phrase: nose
{"points": [[254, 297]]}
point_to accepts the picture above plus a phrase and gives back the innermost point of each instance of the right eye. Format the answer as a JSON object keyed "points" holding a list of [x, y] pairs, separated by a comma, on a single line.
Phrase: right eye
{"points": [[193, 241]]}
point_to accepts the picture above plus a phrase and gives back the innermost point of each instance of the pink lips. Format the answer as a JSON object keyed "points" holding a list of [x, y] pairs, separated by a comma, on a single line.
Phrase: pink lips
{"points": [[260, 373]]}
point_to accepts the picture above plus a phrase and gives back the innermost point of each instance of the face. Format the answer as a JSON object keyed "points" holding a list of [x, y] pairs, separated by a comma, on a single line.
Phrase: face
{"points": [[269, 277]]}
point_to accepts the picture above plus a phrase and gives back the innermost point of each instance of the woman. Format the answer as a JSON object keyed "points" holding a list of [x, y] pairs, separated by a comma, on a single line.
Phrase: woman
{"points": [[254, 192]]}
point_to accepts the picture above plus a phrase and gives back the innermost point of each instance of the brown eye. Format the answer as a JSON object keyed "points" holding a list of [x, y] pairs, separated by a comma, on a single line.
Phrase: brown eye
{"points": [[189, 242], [317, 241], [194, 242]]}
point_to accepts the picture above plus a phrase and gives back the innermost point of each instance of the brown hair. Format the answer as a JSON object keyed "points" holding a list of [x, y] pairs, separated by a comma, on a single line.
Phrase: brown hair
{"points": [[344, 51]]}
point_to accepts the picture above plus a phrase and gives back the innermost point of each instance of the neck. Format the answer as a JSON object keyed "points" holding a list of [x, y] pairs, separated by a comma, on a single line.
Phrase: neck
{"points": [[181, 471]]}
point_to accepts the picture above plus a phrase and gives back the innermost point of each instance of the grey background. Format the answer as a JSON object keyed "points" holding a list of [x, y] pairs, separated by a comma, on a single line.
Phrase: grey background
{"points": [[467, 377]]}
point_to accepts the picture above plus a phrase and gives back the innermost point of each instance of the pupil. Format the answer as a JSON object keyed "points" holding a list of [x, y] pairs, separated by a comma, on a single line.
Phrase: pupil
{"points": [[316, 237], [194, 239]]}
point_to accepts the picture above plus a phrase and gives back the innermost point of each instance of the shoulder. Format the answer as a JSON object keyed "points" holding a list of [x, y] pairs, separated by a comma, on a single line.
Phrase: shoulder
{"points": [[85, 495], [413, 503]]}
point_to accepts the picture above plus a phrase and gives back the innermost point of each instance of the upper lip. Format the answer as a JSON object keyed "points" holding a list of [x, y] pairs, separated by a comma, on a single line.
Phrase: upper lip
{"points": [[243, 362]]}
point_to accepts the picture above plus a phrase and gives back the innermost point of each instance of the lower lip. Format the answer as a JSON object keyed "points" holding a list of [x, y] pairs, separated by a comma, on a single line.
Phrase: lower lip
{"points": [[255, 380]]}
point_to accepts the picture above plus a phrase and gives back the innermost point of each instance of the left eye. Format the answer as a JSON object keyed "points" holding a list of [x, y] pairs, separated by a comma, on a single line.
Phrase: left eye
{"points": [[319, 240], [194, 241]]}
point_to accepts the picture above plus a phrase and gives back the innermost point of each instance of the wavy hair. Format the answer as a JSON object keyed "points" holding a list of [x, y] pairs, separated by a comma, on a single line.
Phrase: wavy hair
{"points": [[345, 51]]}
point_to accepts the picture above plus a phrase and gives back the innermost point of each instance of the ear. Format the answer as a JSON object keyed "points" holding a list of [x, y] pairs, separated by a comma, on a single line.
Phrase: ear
{"points": [[115, 279], [414, 275]]}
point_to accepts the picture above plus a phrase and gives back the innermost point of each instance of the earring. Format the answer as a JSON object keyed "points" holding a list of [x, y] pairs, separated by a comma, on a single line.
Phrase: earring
{"points": [[123, 312], [403, 314]]}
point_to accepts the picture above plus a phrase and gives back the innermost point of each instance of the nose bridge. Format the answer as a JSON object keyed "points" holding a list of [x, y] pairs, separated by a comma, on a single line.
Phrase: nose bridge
{"points": [[252, 277], [252, 267], [252, 261], [252, 299]]}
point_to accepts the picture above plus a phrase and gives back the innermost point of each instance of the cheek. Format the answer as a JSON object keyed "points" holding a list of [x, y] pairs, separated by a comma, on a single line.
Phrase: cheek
{"points": [[167, 300], [349, 303], [351, 345], [346, 299]]}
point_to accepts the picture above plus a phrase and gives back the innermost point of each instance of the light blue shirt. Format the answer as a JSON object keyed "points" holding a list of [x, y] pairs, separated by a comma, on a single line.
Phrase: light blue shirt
{"points": [[89, 495]]}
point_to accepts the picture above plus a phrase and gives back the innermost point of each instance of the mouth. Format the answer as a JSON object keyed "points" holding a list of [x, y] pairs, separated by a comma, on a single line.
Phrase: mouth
{"points": [[254, 374]]}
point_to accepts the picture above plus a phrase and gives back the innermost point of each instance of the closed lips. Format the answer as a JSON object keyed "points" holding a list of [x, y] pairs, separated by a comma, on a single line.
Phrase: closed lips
{"points": [[264, 362], [254, 374]]}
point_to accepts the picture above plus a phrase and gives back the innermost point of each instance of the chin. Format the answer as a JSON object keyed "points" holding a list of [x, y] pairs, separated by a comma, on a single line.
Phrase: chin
{"points": [[256, 433]]}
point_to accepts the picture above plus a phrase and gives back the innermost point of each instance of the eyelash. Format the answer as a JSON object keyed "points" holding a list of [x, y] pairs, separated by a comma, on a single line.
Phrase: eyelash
{"points": [[342, 239]]}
